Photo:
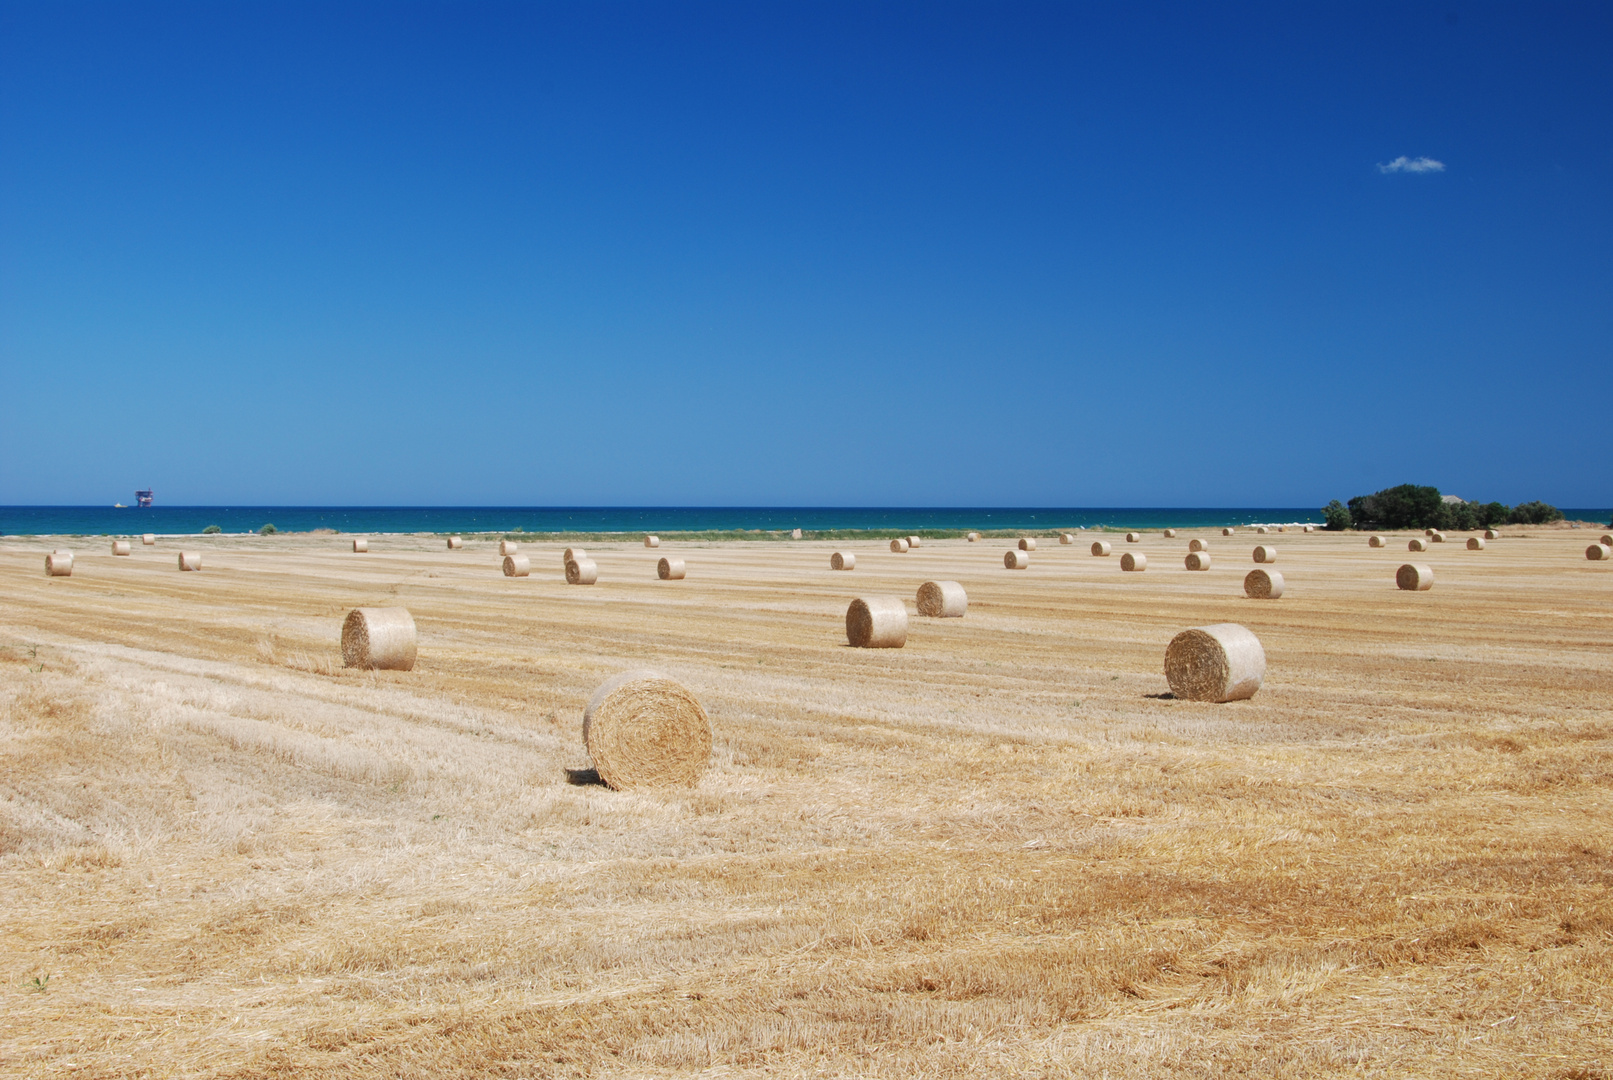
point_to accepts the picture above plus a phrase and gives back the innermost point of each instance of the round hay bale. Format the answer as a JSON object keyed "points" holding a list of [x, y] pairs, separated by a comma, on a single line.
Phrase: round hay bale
{"points": [[121, 547], [361, 545], [1170, 534], [670, 570], [1416, 543], [652, 541], [972, 537], [379, 637], [1198, 560], [1217, 663], [1376, 541], [795, 534], [1101, 547], [915, 541], [1133, 561], [190, 560], [1607, 539], [455, 543], [1310, 528], [877, 623], [1595, 553], [148, 538], [1196, 544], [898, 545], [1134, 538], [59, 564], [517, 566], [1226, 532], [1015, 559], [1066, 538], [1263, 584], [1265, 553], [581, 572], [1491, 534], [1262, 530], [508, 547], [1027, 543], [1415, 577], [1475, 543], [942, 600], [842, 560], [643, 730], [1428, 532], [1436, 537], [573, 555], [1282, 528]]}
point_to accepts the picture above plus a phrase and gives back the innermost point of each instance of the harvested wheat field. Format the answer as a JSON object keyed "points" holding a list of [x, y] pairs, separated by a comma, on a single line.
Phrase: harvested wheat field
{"points": [[1000, 850]]}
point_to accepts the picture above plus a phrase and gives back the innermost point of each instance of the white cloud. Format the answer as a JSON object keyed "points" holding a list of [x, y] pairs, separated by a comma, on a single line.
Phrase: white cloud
{"points": [[1406, 164]]}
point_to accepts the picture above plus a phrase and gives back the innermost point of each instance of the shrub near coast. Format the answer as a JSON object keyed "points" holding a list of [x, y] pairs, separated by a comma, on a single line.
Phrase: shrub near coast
{"points": [[1410, 506]]}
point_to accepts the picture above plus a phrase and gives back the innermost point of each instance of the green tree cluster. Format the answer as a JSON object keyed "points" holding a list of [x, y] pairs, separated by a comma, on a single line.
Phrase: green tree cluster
{"points": [[1411, 506]]}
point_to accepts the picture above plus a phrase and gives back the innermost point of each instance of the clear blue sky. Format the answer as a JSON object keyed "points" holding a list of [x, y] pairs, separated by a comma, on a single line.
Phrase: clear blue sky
{"points": [[760, 253]]}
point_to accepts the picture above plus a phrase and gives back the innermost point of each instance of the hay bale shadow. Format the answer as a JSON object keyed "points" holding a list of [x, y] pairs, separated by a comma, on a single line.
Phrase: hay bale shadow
{"points": [[584, 777]]}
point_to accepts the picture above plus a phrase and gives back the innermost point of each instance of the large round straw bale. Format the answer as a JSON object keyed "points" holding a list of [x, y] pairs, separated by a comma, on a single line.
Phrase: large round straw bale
{"points": [[1595, 553], [120, 547], [581, 572], [1265, 553], [670, 570], [1262, 529], [517, 566], [1227, 531], [1416, 543], [1015, 559], [795, 534], [1475, 543], [1066, 538], [1263, 584], [190, 560], [652, 541], [59, 564], [455, 543], [942, 600], [1436, 537], [1132, 561], [508, 547], [877, 623], [1101, 547], [1196, 544], [361, 545], [915, 541], [379, 637], [1223, 662], [573, 555], [899, 545], [148, 539], [1198, 560], [1491, 534], [643, 729], [1027, 543], [1376, 541], [842, 560], [1415, 577], [972, 537], [1134, 538]]}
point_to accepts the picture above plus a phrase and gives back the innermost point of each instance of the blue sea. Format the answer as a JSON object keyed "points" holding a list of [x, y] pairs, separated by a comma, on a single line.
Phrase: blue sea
{"points": [[187, 520]]}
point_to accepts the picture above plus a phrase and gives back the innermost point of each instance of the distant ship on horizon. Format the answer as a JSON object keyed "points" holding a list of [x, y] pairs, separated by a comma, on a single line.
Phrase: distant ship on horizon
{"points": [[143, 498]]}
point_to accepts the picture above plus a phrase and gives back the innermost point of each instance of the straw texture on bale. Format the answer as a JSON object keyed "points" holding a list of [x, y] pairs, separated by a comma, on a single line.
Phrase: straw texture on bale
{"points": [[670, 570], [508, 547], [1475, 543], [1491, 534], [1101, 547], [190, 560], [59, 564], [1134, 538], [795, 534], [652, 541], [379, 637], [1415, 577], [581, 572], [1066, 538], [915, 541], [455, 543], [1027, 543], [1416, 543], [1263, 584], [972, 537], [645, 730], [121, 547], [1015, 559], [877, 623], [898, 545], [942, 600], [842, 560], [1133, 561], [1196, 544], [1595, 553], [148, 539], [517, 566], [361, 545], [1218, 663], [1265, 553], [1198, 560], [1226, 532], [1170, 534], [573, 555], [1376, 541]]}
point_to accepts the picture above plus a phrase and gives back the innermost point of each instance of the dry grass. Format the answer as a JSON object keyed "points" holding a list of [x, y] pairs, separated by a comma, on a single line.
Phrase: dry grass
{"points": [[995, 851]]}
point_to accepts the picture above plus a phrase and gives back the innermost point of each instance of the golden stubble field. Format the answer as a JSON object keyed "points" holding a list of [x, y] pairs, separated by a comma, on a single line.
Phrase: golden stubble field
{"points": [[998, 851]]}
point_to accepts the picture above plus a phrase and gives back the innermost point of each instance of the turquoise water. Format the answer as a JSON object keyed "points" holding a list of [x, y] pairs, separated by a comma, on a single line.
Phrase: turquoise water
{"points": [[182, 520]]}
